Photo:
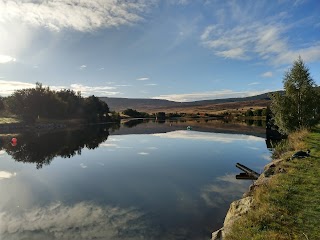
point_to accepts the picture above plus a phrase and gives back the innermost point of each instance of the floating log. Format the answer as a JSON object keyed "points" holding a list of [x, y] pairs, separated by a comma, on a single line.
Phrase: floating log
{"points": [[245, 176], [248, 171]]}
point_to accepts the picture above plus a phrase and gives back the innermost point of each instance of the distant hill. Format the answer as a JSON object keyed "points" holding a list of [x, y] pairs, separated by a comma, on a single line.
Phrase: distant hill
{"points": [[153, 105]]}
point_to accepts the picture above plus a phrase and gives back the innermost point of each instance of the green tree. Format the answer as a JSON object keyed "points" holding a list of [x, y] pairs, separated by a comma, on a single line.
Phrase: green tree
{"points": [[297, 107], [96, 110], [257, 112], [1, 104], [35, 102], [249, 113]]}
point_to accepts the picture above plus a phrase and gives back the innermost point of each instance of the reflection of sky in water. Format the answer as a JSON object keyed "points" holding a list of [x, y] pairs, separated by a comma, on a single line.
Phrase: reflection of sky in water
{"points": [[172, 185]]}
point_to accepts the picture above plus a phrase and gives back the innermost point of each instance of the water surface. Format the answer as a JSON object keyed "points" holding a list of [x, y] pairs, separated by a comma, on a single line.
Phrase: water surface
{"points": [[150, 181]]}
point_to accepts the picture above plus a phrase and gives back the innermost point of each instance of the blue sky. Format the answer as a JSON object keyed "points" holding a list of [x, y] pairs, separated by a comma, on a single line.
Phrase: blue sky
{"points": [[181, 50]]}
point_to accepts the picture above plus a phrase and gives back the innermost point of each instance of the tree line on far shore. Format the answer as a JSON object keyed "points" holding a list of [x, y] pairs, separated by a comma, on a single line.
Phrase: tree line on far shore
{"points": [[43, 103], [297, 108]]}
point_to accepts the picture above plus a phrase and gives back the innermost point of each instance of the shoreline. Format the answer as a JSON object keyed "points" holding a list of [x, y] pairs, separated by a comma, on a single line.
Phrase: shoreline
{"points": [[283, 203], [245, 203]]}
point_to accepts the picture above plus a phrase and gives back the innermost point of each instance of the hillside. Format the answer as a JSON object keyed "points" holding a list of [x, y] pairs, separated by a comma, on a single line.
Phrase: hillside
{"points": [[204, 106]]}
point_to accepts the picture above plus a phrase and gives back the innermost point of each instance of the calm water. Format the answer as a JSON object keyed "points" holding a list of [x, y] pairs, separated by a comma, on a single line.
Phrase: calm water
{"points": [[149, 181]]}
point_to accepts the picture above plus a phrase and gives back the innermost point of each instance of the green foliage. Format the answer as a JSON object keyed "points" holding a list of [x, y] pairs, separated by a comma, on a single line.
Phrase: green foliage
{"points": [[36, 102], [249, 113], [1, 104], [265, 111], [298, 107], [161, 115], [175, 115], [95, 110], [134, 113], [257, 112], [74, 102], [39, 102]]}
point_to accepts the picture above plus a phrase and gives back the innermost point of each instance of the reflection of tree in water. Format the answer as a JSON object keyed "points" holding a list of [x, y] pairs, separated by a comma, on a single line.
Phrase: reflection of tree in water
{"points": [[42, 148], [133, 123]]}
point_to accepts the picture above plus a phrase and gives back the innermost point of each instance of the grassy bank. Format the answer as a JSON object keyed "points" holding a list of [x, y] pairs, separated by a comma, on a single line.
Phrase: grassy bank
{"points": [[288, 206]]}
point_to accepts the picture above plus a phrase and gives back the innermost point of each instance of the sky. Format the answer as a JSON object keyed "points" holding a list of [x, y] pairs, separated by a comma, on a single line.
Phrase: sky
{"points": [[179, 50]]}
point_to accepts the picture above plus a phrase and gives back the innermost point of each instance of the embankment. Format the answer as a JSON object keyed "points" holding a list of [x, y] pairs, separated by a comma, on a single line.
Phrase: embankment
{"points": [[284, 202]]}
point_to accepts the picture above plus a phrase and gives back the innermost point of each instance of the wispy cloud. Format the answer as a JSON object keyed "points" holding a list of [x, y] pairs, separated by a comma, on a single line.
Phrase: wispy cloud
{"points": [[6, 59], [208, 95], [179, 2], [83, 67], [82, 165], [78, 15], [267, 74], [253, 83], [143, 153], [6, 175], [253, 37], [151, 84], [8, 87], [89, 90], [234, 53], [123, 85], [223, 190], [143, 79]]}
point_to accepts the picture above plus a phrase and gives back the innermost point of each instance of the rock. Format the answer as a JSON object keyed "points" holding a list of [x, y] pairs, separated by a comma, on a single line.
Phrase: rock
{"points": [[236, 210], [242, 206], [217, 235]]}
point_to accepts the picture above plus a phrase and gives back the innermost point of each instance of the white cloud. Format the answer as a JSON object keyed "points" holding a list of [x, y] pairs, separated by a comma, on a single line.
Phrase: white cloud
{"points": [[264, 39], [83, 67], [179, 2], [254, 83], [88, 90], [266, 157], [108, 145], [75, 222], [124, 85], [203, 136], [143, 153], [6, 59], [82, 165], [151, 84], [6, 175], [143, 79], [235, 53], [223, 190], [208, 95], [267, 74], [8, 87], [75, 14], [153, 148]]}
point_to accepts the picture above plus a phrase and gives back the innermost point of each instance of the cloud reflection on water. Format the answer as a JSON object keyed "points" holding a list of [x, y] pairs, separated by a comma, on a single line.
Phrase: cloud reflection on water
{"points": [[204, 136], [83, 220], [224, 190], [6, 175]]}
